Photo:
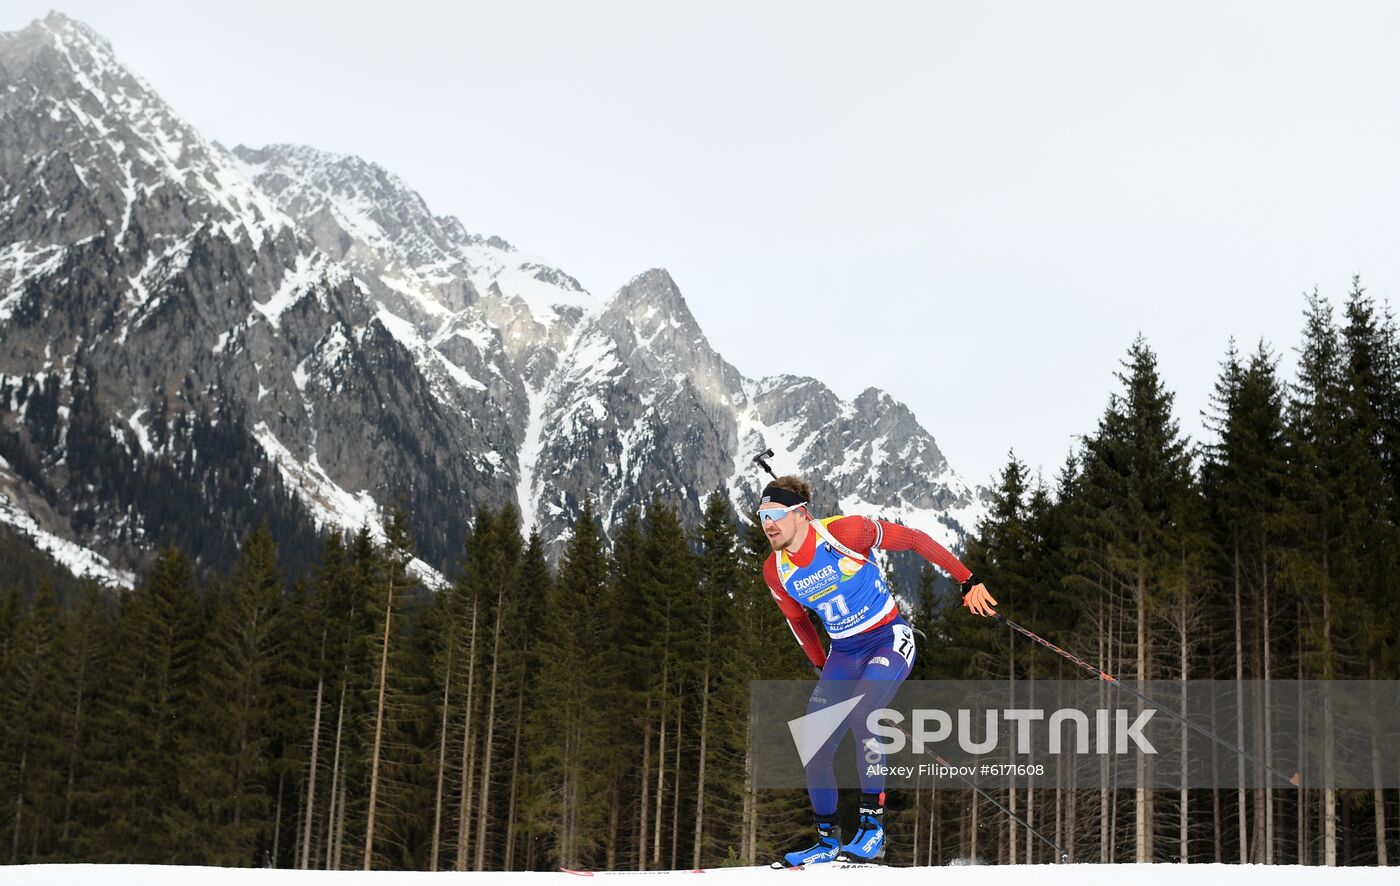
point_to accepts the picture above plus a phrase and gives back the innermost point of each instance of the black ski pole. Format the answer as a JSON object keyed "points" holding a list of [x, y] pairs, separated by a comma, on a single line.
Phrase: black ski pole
{"points": [[1109, 678], [762, 461]]}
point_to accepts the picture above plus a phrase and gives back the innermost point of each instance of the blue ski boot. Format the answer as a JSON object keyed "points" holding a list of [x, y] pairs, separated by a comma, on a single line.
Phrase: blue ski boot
{"points": [[868, 844], [828, 845]]}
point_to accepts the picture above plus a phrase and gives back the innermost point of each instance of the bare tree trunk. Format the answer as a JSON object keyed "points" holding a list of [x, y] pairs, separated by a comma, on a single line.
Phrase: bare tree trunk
{"points": [[1030, 792], [676, 791], [1105, 646], [297, 848], [277, 822], [1030, 817], [379, 722], [464, 797], [1304, 856], [433, 853], [972, 830], [749, 852], [1001, 847], [1115, 647], [1382, 858], [575, 800], [19, 808], [918, 809], [1217, 816], [660, 776], [483, 816], [1012, 829], [935, 827], [1267, 709], [1072, 815], [645, 810], [965, 813], [1183, 841], [700, 775], [331, 814], [1141, 837], [567, 802], [1329, 794], [1239, 714], [514, 782], [614, 813], [340, 826], [304, 861], [1259, 831], [753, 825], [332, 833]]}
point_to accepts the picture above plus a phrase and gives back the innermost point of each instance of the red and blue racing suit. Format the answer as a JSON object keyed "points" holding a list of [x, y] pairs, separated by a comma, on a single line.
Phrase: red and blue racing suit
{"points": [[872, 647]]}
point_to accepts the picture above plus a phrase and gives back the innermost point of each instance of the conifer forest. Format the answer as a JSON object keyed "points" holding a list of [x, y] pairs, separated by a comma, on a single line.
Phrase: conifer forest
{"points": [[330, 712]]}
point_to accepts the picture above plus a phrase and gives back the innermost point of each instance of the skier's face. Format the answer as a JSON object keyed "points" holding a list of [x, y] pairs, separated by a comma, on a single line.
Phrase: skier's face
{"points": [[782, 532]]}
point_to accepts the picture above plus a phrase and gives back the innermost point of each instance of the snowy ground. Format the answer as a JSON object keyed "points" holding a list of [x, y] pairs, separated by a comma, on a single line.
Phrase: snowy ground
{"points": [[1011, 875]]}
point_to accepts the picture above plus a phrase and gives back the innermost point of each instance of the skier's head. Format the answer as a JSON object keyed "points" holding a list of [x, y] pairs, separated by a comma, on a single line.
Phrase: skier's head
{"points": [[782, 510]]}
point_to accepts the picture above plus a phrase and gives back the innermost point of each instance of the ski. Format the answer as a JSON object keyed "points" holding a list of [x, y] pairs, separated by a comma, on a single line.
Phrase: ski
{"points": [[775, 866]]}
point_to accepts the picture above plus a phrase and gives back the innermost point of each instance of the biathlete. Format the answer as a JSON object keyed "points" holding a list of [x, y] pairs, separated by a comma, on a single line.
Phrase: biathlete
{"points": [[828, 566]]}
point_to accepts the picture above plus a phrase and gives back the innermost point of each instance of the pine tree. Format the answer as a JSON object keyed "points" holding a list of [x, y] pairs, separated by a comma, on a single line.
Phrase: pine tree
{"points": [[141, 809], [524, 657], [564, 728], [1136, 469], [395, 586], [87, 638], [671, 586], [1243, 476], [1316, 513], [1371, 540], [459, 614], [632, 687], [504, 574], [237, 708], [32, 716], [355, 634], [718, 576], [311, 676]]}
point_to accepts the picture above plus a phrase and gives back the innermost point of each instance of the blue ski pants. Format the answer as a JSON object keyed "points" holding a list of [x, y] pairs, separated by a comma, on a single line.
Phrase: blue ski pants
{"points": [[871, 664]]}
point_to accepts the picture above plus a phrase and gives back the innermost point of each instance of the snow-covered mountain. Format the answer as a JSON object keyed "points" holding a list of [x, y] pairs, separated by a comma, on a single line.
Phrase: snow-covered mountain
{"points": [[193, 337]]}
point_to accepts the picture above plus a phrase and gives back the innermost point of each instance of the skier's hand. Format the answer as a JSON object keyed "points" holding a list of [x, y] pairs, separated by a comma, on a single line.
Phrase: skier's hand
{"points": [[979, 601]]}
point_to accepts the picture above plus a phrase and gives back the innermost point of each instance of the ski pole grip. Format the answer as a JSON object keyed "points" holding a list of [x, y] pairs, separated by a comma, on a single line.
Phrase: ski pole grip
{"points": [[760, 460]]}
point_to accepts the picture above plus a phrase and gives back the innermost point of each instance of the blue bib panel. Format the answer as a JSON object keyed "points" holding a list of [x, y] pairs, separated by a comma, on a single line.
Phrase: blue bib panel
{"points": [[850, 596]]}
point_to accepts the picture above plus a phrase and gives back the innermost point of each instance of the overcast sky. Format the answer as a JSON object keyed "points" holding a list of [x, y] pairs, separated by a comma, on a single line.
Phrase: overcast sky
{"points": [[973, 206]]}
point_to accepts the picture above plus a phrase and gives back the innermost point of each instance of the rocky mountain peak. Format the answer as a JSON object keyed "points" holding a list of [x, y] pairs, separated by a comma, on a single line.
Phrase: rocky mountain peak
{"points": [[374, 206], [652, 300], [75, 34], [347, 345], [659, 338], [651, 304], [102, 137]]}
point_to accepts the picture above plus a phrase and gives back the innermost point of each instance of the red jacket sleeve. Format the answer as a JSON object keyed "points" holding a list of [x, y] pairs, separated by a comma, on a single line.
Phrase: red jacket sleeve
{"points": [[862, 534], [796, 616]]}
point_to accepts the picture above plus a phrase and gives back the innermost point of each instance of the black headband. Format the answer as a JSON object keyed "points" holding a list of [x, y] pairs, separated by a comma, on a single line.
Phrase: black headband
{"points": [[775, 494]]}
